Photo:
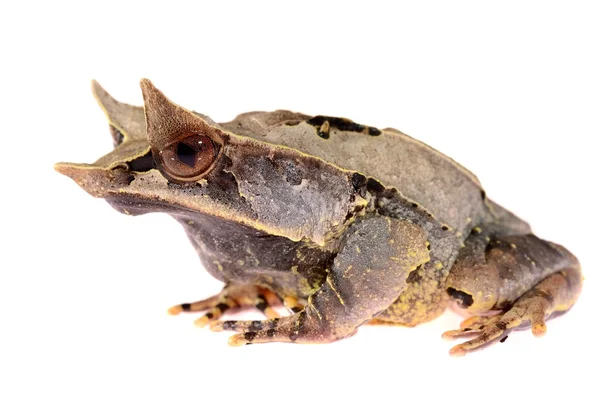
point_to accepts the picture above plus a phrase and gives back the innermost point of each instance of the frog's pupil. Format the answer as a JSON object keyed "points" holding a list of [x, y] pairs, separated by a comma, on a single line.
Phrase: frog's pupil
{"points": [[186, 154]]}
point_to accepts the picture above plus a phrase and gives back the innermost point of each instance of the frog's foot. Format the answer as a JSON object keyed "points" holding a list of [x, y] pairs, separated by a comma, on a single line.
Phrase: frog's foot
{"points": [[232, 297], [526, 278], [472, 326], [553, 295]]}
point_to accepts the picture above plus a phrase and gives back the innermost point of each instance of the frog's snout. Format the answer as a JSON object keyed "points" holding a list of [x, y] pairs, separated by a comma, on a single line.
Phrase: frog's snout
{"points": [[99, 182]]}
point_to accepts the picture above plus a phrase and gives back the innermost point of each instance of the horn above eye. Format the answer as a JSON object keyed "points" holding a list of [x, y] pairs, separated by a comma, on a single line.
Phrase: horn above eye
{"points": [[187, 159]]}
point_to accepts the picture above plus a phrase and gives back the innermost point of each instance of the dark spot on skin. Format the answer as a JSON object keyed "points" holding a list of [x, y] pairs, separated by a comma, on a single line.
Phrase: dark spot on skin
{"points": [[222, 307], [294, 336], [342, 124], [374, 131], [262, 303], [249, 336], [209, 315], [414, 275], [255, 326], [428, 246], [186, 306], [483, 195], [444, 228], [130, 178], [464, 300], [503, 339], [467, 330], [481, 327], [505, 305], [415, 205], [324, 135], [271, 332], [501, 325], [229, 325], [358, 180], [374, 186]]}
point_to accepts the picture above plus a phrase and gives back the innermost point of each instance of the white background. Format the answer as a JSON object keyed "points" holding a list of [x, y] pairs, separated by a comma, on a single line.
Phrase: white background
{"points": [[510, 90]]}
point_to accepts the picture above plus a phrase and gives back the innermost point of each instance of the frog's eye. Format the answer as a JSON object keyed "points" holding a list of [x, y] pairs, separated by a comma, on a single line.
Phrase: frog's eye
{"points": [[188, 159]]}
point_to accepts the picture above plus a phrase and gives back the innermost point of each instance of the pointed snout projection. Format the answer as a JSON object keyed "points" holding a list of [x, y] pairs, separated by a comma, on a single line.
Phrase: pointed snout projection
{"points": [[128, 129]]}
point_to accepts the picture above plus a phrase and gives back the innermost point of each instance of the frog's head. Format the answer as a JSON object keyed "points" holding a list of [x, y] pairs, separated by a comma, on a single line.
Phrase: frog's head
{"points": [[173, 160]]}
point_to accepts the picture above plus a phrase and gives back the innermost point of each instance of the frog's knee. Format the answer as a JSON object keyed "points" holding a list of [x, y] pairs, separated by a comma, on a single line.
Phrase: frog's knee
{"points": [[479, 276], [474, 287], [491, 274]]}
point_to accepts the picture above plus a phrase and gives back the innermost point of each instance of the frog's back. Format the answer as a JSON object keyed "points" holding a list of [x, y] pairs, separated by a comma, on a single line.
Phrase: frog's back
{"points": [[420, 173]]}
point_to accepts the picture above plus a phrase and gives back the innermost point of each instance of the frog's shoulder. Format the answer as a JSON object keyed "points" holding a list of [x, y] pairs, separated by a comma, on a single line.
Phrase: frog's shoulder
{"points": [[419, 172]]}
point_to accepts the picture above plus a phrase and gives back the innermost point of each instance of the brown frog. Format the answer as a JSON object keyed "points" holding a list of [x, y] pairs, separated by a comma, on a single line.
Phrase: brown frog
{"points": [[346, 224]]}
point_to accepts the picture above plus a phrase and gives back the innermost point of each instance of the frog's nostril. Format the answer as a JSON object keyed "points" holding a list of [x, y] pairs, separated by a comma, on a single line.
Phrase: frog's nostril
{"points": [[464, 299]]}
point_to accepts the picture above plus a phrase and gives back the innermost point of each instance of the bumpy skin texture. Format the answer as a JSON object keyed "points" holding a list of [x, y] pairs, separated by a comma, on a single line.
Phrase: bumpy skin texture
{"points": [[346, 223]]}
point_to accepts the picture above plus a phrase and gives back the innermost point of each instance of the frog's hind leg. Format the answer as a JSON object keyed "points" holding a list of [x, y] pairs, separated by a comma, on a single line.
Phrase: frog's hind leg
{"points": [[232, 297], [526, 279], [367, 275]]}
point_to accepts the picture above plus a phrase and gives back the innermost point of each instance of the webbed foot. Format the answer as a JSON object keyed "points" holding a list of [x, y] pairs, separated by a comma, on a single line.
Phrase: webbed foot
{"points": [[551, 296]]}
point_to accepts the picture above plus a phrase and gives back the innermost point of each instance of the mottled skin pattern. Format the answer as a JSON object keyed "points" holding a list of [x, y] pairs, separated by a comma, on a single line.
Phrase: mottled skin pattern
{"points": [[346, 224]]}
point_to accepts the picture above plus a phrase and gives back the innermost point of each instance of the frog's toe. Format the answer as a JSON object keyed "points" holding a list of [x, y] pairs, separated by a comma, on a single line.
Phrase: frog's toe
{"points": [[264, 302], [471, 326], [241, 339], [272, 330], [241, 326], [215, 312], [201, 305], [490, 334]]}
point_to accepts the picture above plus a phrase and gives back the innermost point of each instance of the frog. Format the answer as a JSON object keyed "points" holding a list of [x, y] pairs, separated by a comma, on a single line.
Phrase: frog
{"points": [[343, 224]]}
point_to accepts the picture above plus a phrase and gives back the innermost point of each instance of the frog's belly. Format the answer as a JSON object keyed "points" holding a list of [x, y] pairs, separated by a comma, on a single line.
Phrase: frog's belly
{"points": [[234, 253]]}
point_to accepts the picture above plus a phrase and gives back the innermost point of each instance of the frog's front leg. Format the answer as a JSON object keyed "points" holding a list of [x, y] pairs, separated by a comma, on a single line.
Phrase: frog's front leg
{"points": [[368, 274], [231, 297], [526, 279]]}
